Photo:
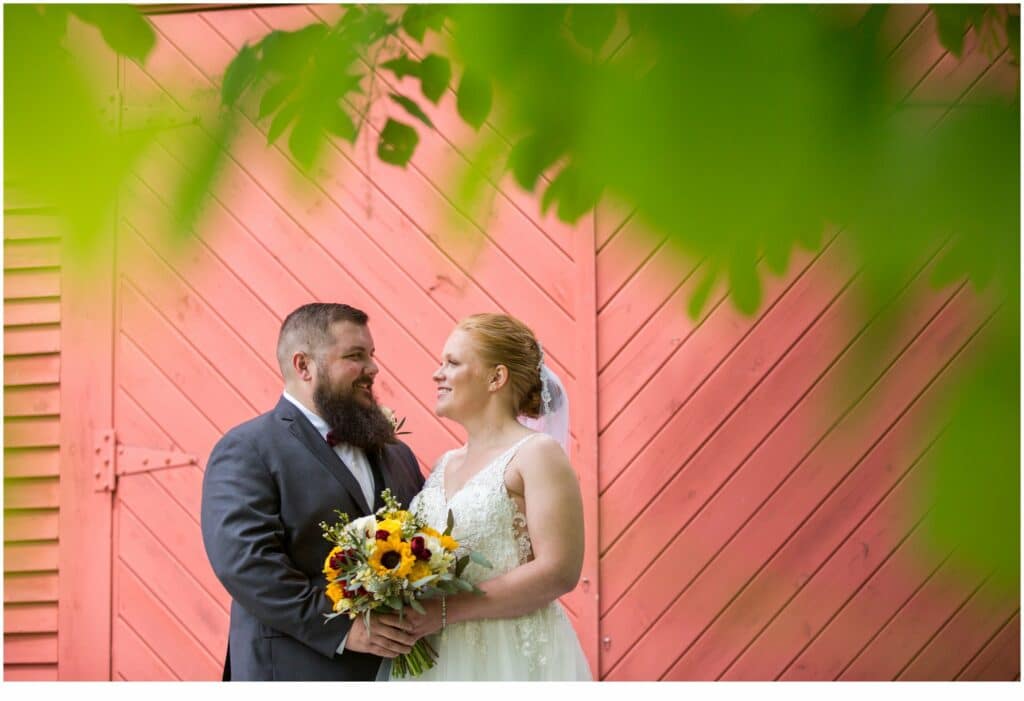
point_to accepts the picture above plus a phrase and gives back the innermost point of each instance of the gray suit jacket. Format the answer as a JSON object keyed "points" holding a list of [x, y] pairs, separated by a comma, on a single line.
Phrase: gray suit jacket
{"points": [[268, 485]]}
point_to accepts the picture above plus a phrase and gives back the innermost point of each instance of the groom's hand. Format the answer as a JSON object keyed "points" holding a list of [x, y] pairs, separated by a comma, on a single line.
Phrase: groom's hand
{"points": [[387, 637]]}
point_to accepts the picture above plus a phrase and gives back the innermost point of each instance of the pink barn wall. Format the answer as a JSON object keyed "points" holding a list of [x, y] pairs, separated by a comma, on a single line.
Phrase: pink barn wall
{"points": [[740, 524]]}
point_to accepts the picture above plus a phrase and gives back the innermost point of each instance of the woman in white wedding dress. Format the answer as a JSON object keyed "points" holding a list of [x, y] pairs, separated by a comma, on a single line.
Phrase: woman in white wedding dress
{"points": [[516, 501]]}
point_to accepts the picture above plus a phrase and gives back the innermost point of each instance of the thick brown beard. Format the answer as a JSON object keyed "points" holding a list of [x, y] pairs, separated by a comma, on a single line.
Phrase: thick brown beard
{"points": [[350, 420]]}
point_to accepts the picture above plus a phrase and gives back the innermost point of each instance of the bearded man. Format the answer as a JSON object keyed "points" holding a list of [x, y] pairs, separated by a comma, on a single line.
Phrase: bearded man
{"points": [[270, 482]]}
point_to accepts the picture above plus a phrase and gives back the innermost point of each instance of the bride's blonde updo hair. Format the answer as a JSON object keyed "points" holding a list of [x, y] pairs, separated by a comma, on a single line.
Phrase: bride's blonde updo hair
{"points": [[504, 340]]}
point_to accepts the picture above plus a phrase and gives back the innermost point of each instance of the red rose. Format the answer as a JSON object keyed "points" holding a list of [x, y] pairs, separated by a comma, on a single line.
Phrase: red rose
{"points": [[342, 558], [419, 548], [383, 535]]}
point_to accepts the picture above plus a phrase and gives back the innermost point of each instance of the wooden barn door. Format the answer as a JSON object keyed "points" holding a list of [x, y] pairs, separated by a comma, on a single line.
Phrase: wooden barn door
{"points": [[194, 328]]}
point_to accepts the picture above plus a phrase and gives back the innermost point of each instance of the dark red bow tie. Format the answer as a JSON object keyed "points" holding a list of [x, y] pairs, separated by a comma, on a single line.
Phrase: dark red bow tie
{"points": [[332, 440]]}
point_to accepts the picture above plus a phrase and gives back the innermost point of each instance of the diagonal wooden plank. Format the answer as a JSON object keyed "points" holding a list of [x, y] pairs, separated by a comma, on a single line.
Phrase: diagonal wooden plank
{"points": [[775, 516], [999, 660], [176, 532], [830, 650], [640, 298], [183, 422], [204, 387], [133, 659], [526, 243], [865, 550], [412, 191], [815, 541], [644, 415], [913, 625], [160, 630], [205, 616], [964, 635]]}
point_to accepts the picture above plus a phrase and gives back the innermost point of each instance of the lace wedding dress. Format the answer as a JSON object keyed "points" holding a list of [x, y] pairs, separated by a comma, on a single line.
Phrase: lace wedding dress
{"points": [[540, 646]]}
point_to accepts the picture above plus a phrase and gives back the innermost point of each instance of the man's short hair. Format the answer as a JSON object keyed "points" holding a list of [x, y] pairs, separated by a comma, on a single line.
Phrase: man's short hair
{"points": [[308, 329]]}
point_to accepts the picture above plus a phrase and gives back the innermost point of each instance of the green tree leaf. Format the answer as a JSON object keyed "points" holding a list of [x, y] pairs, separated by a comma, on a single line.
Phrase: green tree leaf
{"points": [[435, 73], [126, 30], [1013, 36], [275, 96], [531, 156], [412, 108], [575, 194], [591, 25], [305, 140], [288, 52], [397, 143], [418, 18], [745, 285], [242, 70], [474, 98], [402, 66], [282, 120], [952, 22], [699, 298], [340, 124]]}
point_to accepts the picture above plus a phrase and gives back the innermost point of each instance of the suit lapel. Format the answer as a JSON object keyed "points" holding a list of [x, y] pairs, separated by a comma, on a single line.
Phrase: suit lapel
{"points": [[314, 442]]}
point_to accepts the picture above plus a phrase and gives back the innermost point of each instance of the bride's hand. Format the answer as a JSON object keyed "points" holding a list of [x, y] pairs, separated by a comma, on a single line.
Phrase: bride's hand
{"points": [[426, 623], [387, 637]]}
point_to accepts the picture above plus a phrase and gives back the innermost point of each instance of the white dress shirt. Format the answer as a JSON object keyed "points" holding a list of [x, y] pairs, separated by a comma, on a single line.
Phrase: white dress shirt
{"points": [[353, 457]]}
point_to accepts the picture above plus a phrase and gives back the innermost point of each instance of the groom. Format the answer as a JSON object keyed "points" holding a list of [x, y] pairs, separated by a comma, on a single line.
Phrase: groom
{"points": [[271, 481]]}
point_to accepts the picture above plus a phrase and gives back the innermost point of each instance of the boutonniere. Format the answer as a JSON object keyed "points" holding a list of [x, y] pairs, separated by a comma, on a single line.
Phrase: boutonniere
{"points": [[396, 423]]}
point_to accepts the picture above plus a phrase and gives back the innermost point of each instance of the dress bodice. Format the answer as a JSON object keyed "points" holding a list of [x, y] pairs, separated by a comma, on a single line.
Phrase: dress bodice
{"points": [[487, 519]]}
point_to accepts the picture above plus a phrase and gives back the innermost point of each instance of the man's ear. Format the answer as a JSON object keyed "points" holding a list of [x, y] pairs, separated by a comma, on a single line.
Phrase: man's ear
{"points": [[302, 364]]}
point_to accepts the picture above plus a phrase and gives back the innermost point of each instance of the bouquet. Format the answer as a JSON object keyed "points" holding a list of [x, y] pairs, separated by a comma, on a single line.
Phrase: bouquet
{"points": [[390, 560]]}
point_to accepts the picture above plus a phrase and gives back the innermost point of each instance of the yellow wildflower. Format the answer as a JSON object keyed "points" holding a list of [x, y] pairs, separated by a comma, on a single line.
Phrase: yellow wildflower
{"points": [[392, 526], [334, 593], [449, 543], [419, 571]]}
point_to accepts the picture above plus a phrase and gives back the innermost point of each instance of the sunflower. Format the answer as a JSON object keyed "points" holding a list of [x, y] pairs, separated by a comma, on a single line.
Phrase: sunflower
{"points": [[391, 558], [449, 543]]}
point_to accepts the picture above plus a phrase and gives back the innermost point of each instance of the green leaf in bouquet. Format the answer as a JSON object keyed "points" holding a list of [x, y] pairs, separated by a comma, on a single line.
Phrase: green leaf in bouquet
{"points": [[451, 523], [464, 585], [425, 580], [417, 607], [480, 559], [478, 591], [460, 565]]}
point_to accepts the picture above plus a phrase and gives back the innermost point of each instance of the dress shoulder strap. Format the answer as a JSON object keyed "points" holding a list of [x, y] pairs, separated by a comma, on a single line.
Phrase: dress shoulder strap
{"points": [[511, 452]]}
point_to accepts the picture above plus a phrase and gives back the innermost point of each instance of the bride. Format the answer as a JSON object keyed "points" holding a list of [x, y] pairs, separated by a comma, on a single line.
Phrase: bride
{"points": [[515, 500]]}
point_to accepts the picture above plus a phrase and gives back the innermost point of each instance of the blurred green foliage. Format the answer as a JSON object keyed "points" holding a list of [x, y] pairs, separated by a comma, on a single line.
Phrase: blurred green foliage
{"points": [[741, 132]]}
